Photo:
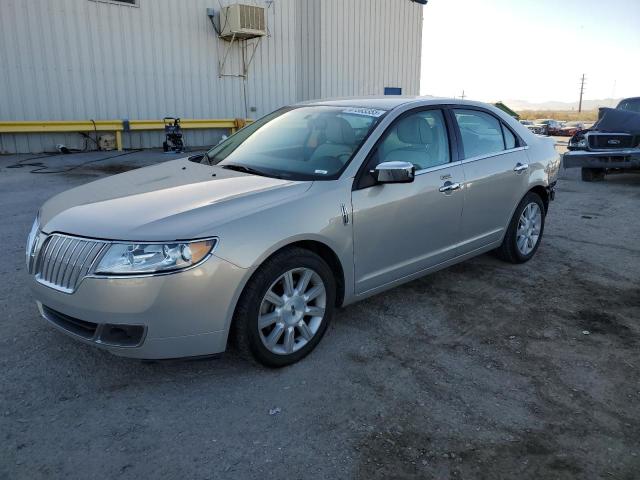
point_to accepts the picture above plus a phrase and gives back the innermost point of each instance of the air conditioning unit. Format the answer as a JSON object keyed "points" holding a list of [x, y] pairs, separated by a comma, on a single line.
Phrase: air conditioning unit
{"points": [[241, 21]]}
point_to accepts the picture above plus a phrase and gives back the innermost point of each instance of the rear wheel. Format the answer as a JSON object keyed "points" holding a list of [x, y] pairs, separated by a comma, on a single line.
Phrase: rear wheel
{"points": [[525, 230], [592, 174], [285, 308]]}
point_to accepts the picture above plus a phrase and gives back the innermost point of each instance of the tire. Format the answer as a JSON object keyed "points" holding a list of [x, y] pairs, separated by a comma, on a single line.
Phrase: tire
{"points": [[592, 174], [165, 146], [511, 250], [253, 341]]}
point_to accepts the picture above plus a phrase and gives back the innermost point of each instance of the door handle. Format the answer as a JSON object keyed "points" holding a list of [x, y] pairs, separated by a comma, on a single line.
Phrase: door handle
{"points": [[449, 187], [521, 167]]}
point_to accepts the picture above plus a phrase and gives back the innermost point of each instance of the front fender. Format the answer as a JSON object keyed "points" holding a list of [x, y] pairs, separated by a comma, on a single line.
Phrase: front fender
{"points": [[317, 216]]}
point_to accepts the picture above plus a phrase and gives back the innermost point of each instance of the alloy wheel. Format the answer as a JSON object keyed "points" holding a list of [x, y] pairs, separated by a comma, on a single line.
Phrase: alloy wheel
{"points": [[292, 311], [529, 227]]}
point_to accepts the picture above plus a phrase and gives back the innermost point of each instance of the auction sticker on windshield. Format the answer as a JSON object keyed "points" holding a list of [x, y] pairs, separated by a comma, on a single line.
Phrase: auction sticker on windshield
{"points": [[369, 112]]}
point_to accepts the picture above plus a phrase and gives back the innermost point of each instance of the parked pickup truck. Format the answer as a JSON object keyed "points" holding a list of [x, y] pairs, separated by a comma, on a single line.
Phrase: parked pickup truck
{"points": [[611, 145]]}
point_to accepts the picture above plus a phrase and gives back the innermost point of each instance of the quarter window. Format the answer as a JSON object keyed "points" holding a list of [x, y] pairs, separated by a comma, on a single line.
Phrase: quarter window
{"points": [[509, 138], [481, 133], [420, 138]]}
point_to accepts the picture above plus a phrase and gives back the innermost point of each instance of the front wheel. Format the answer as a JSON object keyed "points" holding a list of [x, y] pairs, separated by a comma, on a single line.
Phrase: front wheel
{"points": [[525, 230], [285, 308]]}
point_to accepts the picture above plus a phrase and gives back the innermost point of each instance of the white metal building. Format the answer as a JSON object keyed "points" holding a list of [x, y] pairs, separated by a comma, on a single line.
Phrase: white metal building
{"points": [[146, 59]]}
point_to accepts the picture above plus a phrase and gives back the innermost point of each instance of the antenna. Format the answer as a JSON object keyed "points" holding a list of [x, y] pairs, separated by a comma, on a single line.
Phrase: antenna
{"points": [[581, 92]]}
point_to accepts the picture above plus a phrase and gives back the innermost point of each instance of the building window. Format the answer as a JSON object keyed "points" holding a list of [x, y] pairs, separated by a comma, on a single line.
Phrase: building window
{"points": [[392, 91]]}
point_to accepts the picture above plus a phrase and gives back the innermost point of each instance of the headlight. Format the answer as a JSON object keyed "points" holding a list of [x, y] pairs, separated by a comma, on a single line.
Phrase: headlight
{"points": [[32, 238], [582, 143], [131, 258]]}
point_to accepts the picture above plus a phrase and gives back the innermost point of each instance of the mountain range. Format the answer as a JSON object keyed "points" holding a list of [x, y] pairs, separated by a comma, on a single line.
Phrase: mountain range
{"points": [[520, 105]]}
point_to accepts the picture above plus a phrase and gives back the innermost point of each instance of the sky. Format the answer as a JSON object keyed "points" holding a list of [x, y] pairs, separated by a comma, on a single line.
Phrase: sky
{"points": [[532, 50]]}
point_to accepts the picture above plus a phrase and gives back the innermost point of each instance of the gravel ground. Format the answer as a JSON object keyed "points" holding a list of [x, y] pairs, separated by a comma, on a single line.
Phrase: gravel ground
{"points": [[483, 370]]}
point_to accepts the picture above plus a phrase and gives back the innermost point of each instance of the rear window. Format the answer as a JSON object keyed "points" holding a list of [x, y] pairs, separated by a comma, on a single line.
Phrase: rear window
{"points": [[631, 104]]}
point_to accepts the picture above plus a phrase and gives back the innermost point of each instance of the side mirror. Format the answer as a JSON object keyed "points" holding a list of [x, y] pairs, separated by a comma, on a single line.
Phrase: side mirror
{"points": [[394, 172]]}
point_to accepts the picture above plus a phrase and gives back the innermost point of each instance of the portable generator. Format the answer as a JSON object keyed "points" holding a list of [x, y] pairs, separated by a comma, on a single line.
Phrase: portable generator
{"points": [[173, 135]]}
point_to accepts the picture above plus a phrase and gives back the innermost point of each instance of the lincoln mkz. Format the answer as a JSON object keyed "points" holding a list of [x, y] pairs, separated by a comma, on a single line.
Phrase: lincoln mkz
{"points": [[312, 207]]}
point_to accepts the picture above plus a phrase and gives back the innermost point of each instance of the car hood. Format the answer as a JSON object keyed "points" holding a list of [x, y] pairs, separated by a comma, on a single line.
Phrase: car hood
{"points": [[176, 200]]}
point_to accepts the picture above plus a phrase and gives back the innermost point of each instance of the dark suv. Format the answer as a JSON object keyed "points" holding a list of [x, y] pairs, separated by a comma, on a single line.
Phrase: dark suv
{"points": [[612, 144]]}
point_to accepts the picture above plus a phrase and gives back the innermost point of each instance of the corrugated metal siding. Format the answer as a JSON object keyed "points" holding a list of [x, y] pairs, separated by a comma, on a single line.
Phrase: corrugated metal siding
{"points": [[368, 45], [82, 59], [309, 50]]}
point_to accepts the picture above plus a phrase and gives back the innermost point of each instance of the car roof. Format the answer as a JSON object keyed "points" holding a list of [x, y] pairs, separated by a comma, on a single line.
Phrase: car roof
{"points": [[389, 102], [630, 99]]}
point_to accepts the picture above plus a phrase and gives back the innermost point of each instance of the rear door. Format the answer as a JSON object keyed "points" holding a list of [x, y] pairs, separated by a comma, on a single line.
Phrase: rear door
{"points": [[400, 229], [496, 175]]}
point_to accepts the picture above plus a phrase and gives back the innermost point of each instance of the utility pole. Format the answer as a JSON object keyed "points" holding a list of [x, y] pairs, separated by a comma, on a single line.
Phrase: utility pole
{"points": [[581, 92], [463, 95]]}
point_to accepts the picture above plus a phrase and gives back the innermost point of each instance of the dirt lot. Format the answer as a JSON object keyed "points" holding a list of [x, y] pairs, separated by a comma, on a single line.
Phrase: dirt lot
{"points": [[484, 370]]}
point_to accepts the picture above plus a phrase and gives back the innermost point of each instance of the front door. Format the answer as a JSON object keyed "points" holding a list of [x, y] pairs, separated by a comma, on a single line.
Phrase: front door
{"points": [[400, 229]]}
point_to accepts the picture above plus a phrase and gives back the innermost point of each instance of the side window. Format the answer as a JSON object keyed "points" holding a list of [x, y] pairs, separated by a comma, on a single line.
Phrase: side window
{"points": [[481, 133], [509, 138], [420, 138]]}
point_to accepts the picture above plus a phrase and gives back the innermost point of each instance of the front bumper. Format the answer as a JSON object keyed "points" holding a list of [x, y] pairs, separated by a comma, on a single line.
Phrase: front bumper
{"points": [[623, 158], [183, 314]]}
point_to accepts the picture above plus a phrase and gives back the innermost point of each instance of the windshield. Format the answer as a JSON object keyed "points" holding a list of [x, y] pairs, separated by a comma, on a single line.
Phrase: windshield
{"points": [[630, 104], [303, 143]]}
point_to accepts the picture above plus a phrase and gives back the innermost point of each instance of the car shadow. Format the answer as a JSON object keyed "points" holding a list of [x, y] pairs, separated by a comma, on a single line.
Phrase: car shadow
{"points": [[631, 179]]}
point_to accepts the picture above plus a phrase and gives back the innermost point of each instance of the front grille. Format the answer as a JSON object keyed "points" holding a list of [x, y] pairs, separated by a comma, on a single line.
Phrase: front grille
{"points": [[63, 261], [610, 141]]}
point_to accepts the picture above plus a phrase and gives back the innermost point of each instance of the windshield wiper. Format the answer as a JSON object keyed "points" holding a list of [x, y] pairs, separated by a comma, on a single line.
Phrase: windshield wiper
{"points": [[245, 169]]}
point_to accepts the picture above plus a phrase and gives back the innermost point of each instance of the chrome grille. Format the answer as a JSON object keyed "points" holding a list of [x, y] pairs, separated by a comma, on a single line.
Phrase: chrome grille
{"points": [[609, 141], [63, 261]]}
